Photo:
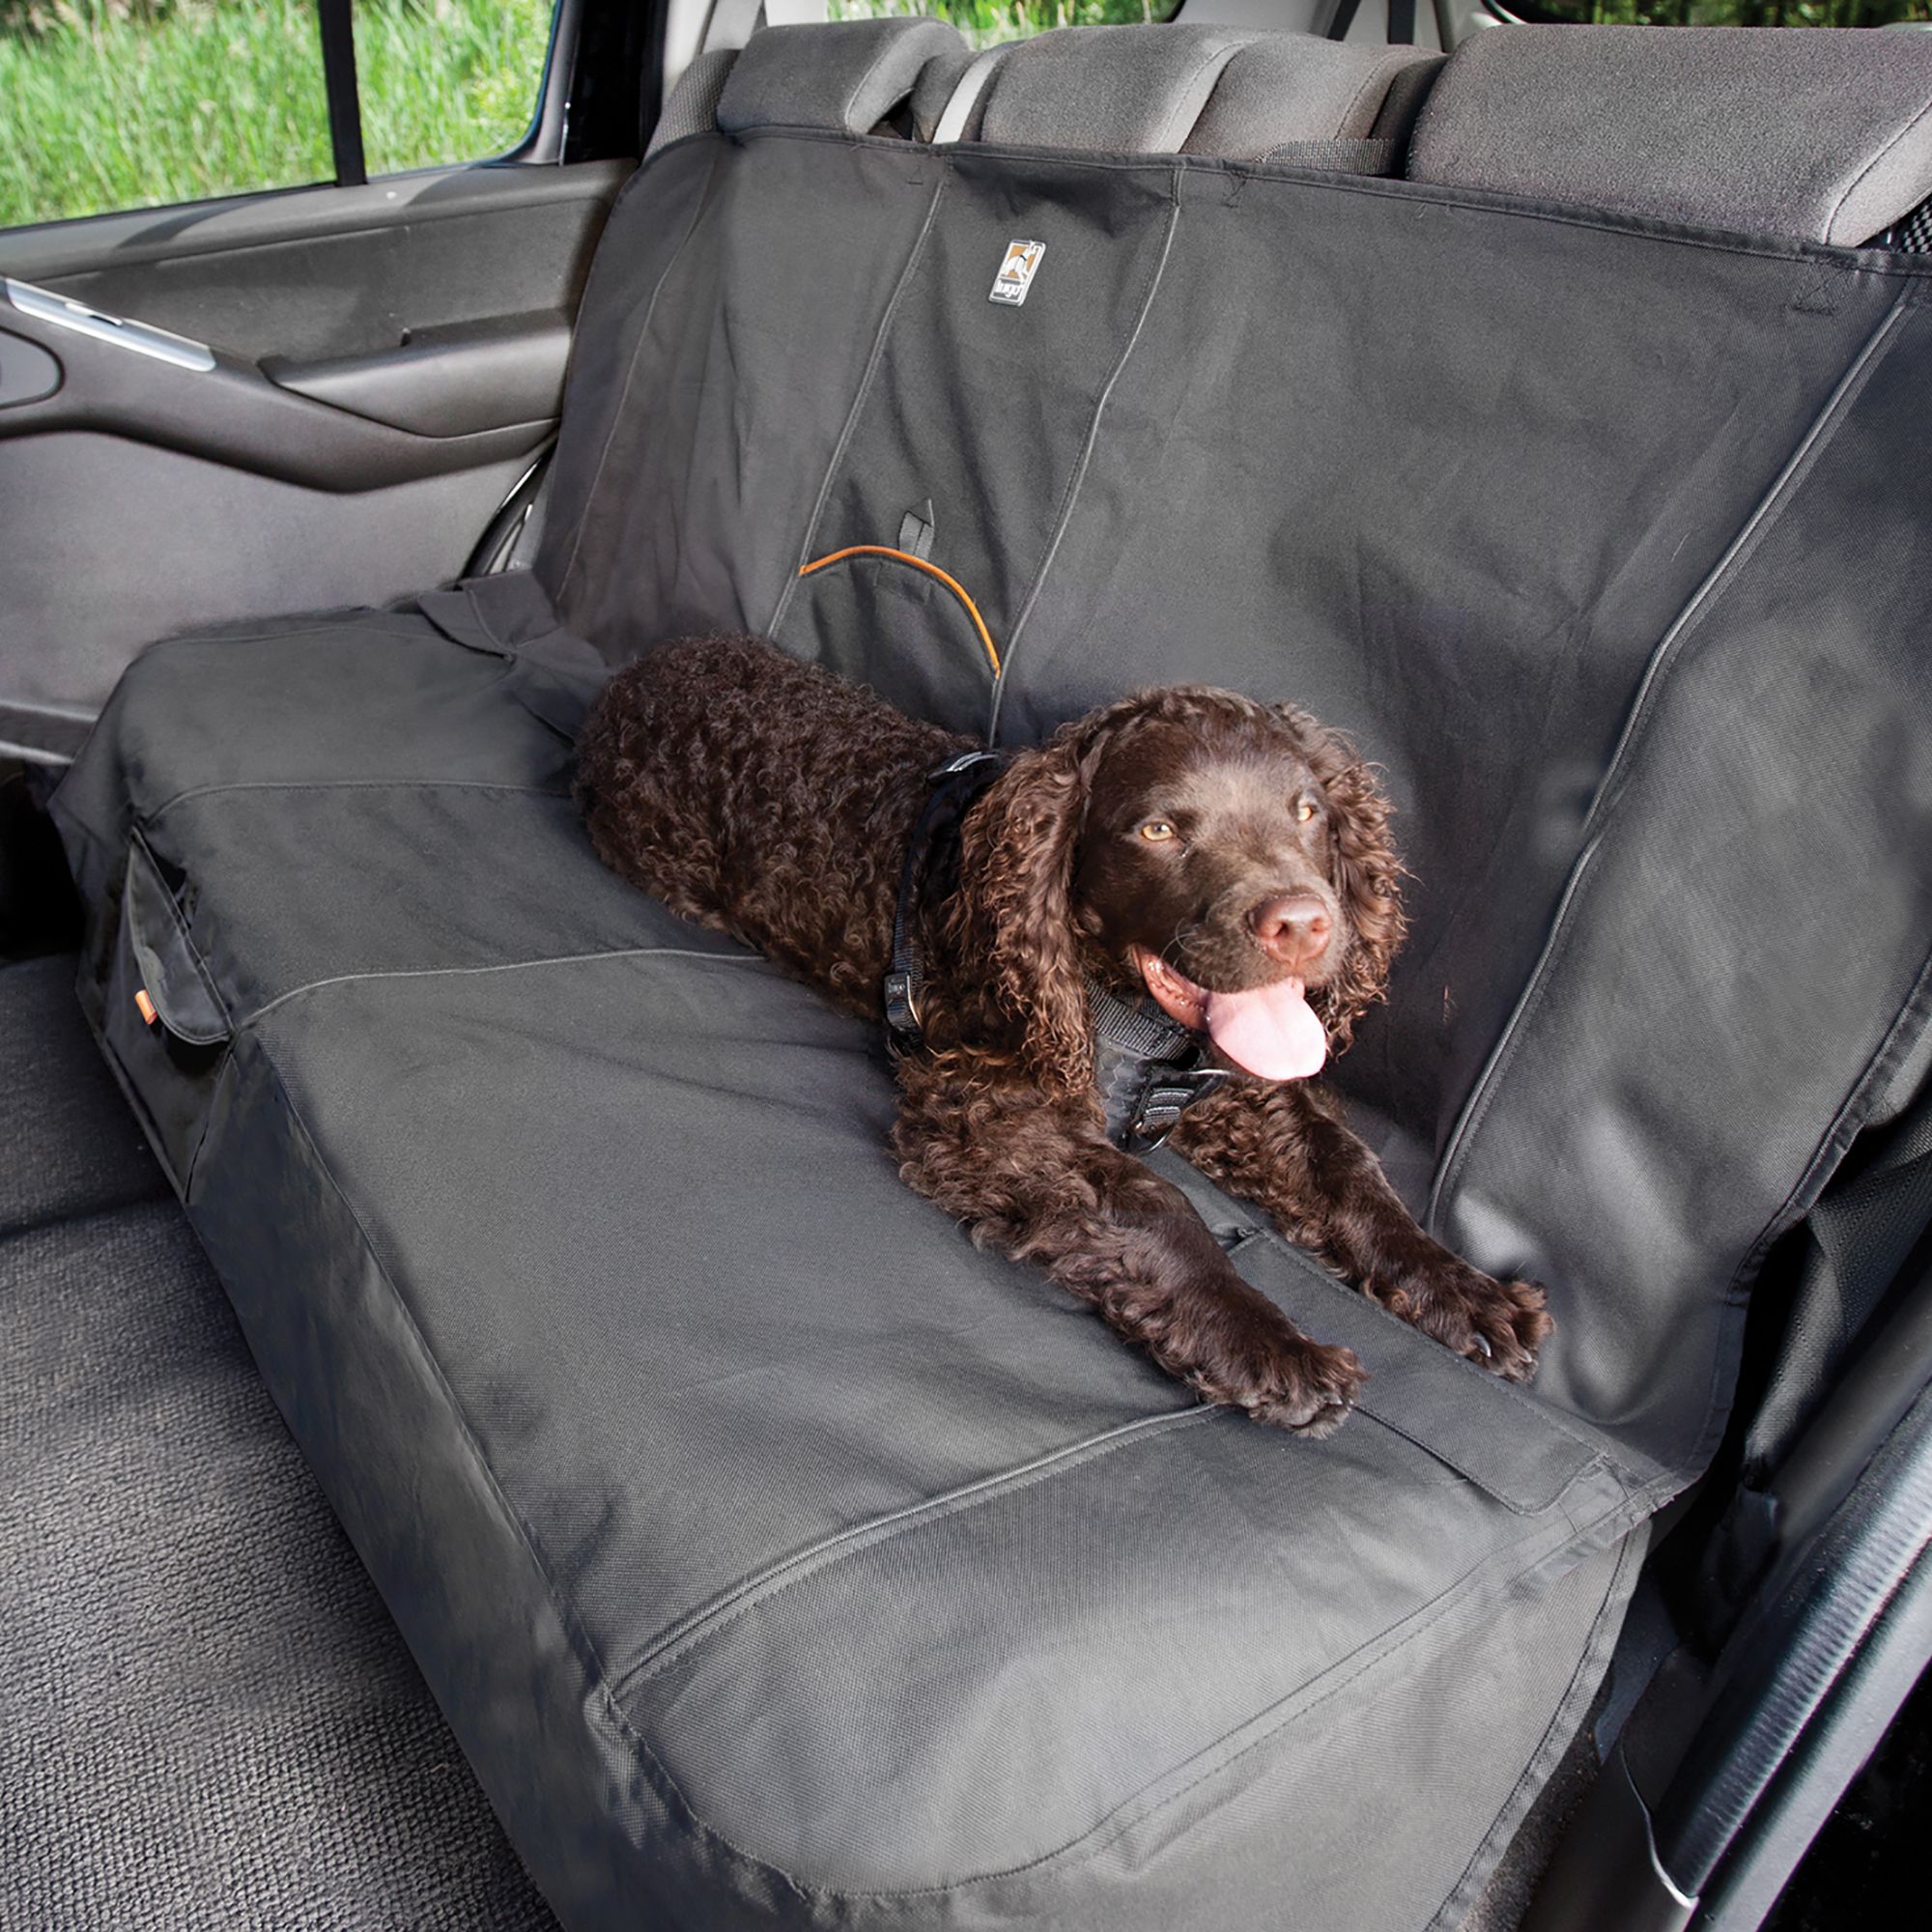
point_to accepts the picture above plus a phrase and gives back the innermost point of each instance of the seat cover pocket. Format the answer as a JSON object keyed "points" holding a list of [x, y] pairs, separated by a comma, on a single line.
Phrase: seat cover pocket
{"points": [[165, 1027], [171, 972]]}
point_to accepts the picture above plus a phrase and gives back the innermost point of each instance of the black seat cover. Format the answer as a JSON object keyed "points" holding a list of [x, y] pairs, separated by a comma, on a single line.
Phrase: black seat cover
{"points": [[779, 1558]]}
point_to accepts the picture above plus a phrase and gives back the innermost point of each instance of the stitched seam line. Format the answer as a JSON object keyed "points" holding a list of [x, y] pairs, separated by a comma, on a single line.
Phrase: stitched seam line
{"points": [[698, 215], [695, 1631], [1431, 1614], [1071, 493], [1595, 1452], [1589, 1672], [1882, 264], [336, 625], [1637, 725], [501, 966], [913, 258], [195, 792]]}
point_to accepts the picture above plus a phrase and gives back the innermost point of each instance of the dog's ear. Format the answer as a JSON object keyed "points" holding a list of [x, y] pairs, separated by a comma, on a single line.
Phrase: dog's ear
{"points": [[1016, 906], [1364, 870]]}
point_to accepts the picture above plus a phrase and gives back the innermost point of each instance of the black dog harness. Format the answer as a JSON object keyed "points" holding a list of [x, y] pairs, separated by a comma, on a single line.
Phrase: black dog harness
{"points": [[1147, 1067]]}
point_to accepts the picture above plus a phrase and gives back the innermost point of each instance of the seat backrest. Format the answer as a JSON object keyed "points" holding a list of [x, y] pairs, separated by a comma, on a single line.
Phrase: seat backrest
{"points": [[1606, 536], [1820, 133]]}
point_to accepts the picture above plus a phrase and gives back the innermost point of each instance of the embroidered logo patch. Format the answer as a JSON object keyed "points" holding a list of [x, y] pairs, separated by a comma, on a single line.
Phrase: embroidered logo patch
{"points": [[1016, 272]]}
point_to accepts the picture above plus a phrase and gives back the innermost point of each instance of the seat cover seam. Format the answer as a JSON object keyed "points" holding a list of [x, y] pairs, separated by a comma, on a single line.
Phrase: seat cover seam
{"points": [[698, 215], [262, 1012], [1583, 1680], [1601, 819], [1598, 1452], [1369, 1656], [1884, 265], [195, 792], [914, 256], [694, 1632], [1070, 495]]}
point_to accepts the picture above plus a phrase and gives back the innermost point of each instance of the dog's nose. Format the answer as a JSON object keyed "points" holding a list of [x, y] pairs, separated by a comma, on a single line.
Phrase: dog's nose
{"points": [[1292, 929]]}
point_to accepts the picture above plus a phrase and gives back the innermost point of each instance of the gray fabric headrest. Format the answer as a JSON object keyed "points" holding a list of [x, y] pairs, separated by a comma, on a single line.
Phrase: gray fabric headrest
{"points": [[844, 74], [1200, 89], [1285, 90], [1820, 133], [1108, 90]]}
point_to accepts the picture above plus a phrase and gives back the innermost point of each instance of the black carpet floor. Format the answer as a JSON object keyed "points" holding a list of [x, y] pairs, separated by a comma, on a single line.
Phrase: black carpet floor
{"points": [[207, 1718]]}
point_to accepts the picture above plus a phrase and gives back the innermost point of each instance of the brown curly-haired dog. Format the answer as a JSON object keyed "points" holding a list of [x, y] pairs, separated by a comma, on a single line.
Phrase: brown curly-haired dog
{"points": [[1222, 854]]}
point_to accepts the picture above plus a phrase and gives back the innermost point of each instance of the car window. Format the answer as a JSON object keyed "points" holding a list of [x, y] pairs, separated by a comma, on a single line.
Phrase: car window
{"points": [[447, 80], [1716, 13], [134, 103], [983, 22]]}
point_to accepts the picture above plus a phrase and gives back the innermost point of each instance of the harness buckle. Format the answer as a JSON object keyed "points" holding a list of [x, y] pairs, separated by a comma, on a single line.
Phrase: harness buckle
{"points": [[901, 1008], [1164, 1101]]}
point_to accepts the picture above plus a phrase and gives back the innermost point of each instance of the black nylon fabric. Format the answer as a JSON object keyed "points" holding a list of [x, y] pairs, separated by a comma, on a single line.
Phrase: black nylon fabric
{"points": [[1458, 476], [785, 1560]]}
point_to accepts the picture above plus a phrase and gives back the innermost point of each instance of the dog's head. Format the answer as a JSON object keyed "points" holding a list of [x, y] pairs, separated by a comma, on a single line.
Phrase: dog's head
{"points": [[1222, 854]]}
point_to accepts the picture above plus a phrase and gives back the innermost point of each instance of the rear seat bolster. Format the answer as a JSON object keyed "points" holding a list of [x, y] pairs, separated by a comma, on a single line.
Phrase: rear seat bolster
{"points": [[847, 75], [1821, 133], [692, 106]]}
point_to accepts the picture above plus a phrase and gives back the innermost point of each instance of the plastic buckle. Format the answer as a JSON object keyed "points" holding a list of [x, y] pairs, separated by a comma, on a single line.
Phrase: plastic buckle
{"points": [[1166, 1100], [901, 1014]]}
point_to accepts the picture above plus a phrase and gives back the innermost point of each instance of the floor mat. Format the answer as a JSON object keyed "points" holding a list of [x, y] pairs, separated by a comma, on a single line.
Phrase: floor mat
{"points": [[207, 1718]]}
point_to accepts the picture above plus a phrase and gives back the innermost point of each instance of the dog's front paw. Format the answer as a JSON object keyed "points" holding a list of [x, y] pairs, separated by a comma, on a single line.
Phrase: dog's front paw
{"points": [[1499, 1326], [1306, 1387]]}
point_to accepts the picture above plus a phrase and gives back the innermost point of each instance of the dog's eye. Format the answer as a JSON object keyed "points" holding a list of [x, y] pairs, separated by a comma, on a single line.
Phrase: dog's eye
{"points": [[1156, 831], [1304, 810]]}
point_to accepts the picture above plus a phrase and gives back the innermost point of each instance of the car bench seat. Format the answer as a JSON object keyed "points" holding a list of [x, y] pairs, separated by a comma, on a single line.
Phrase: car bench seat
{"points": [[779, 1558]]}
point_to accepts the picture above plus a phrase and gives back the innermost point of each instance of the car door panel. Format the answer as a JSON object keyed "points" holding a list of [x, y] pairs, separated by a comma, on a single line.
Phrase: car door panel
{"points": [[386, 361]]}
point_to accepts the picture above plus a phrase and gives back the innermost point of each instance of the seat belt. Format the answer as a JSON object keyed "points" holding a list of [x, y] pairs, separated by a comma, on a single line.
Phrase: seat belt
{"points": [[733, 22], [1400, 22]]}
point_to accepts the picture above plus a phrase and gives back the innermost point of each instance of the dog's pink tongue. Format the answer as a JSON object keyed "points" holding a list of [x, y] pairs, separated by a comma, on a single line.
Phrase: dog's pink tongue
{"points": [[1269, 1030]]}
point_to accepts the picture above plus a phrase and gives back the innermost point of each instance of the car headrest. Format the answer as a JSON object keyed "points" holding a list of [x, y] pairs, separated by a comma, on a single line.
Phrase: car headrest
{"points": [[1202, 89], [1825, 133], [1283, 91], [842, 75]]}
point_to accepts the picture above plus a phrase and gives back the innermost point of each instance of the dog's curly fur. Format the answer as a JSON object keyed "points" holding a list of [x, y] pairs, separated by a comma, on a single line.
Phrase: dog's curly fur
{"points": [[765, 798]]}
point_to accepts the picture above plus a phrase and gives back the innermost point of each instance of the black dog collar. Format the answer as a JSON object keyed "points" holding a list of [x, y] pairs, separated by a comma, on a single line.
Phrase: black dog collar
{"points": [[1147, 1067]]}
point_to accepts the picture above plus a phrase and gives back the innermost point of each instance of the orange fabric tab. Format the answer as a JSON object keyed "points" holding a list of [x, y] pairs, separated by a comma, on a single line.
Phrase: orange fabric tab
{"points": [[931, 570], [145, 1006]]}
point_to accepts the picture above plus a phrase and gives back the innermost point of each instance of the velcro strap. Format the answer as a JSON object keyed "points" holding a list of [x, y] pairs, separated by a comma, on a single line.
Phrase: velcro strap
{"points": [[1340, 156]]}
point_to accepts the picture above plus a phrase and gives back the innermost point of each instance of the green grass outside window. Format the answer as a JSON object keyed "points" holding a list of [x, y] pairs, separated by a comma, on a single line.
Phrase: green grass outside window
{"points": [[130, 103]]}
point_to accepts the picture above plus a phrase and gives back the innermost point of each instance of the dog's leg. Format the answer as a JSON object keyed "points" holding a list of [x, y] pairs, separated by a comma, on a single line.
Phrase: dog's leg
{"points": [[1043, 1184], [1287, 1148]]}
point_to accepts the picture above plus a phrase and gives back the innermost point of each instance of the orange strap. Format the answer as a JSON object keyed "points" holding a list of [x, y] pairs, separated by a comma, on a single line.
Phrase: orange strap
{"points": [[931, 570]]}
